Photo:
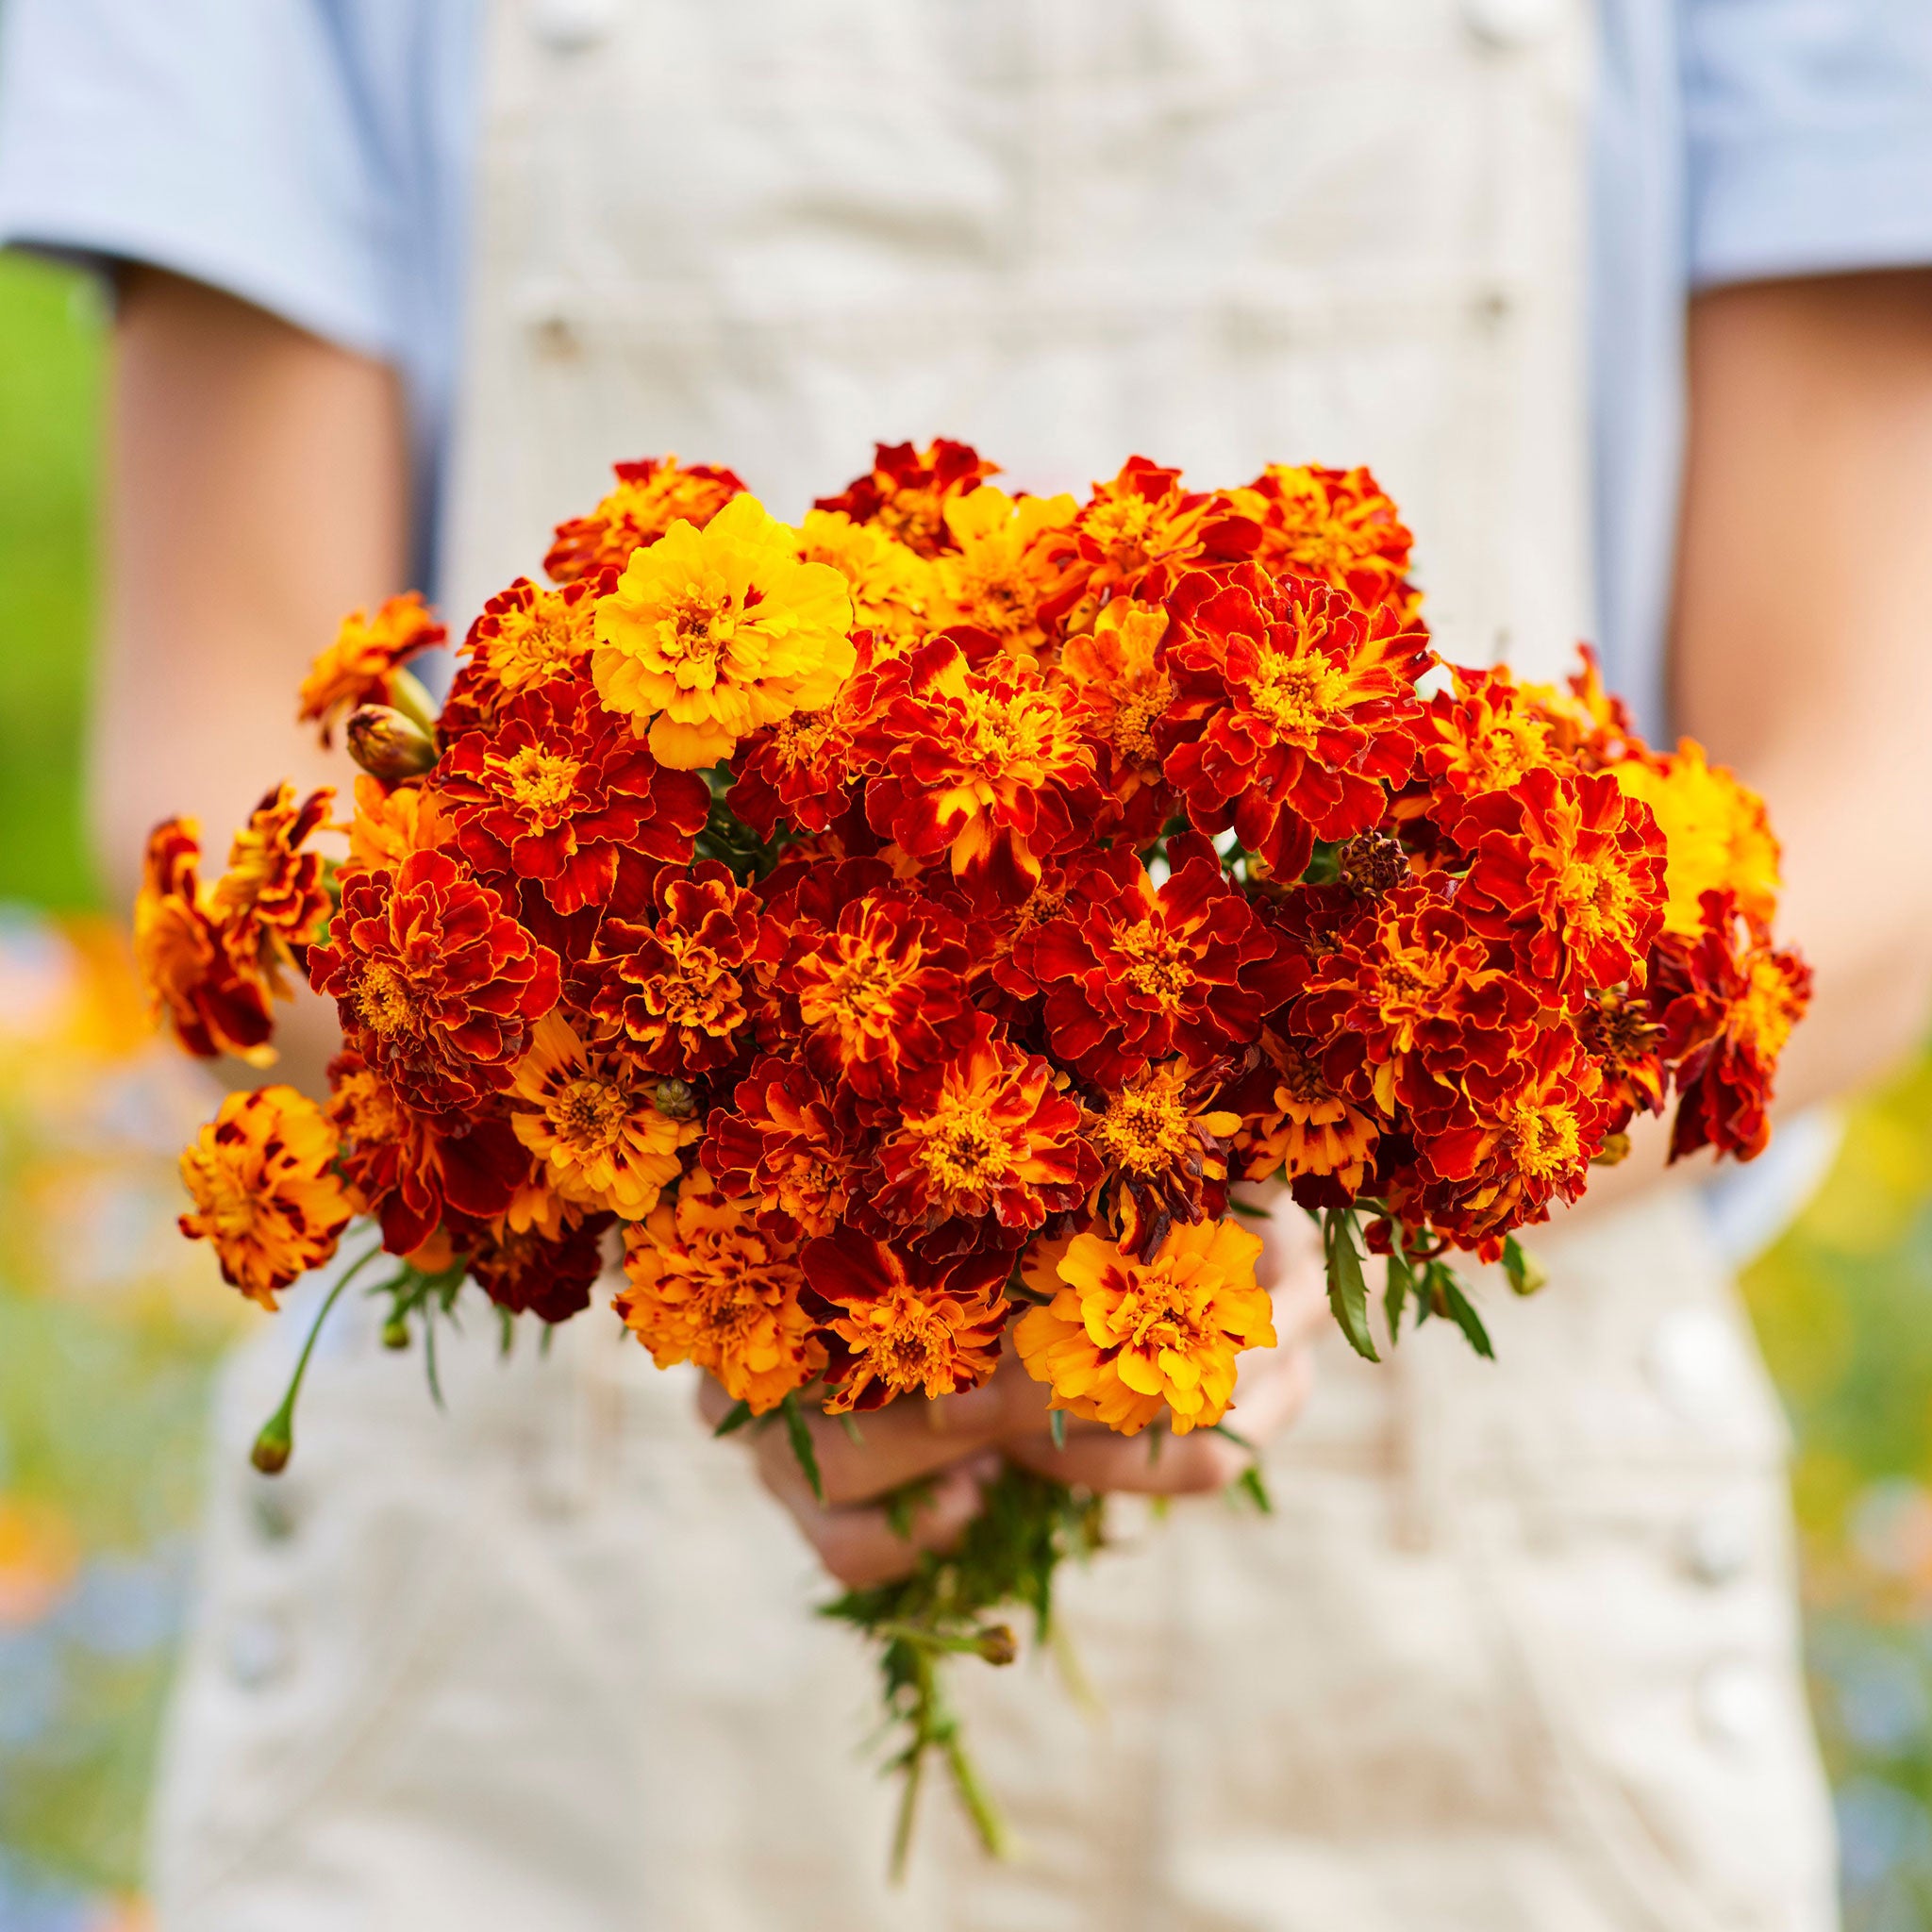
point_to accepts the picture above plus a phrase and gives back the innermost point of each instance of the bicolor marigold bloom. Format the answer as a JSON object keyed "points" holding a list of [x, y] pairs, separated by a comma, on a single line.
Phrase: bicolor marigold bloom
{"points": [[435, 983], [557, 790], [525, 637], [1004, 568], [1589, 726], [273, 899], [388, 825], [548, 1275], [1569, 874], [1163, 1151], [360, 668], [895, 590], [683, 987], [804, 771], [1625, 1042], [1484, 735], [1294, 713], [985, 1136], [1303, 1126], [1118, 691], [1340, 526], [788, 1145], [589, 1115], [893, 1326], [711, 633], [215, 1004], [267, 1198], [650, 497], [1717, 835], [707, 1285], [1123, 1340], [906, 491], [985, 765], [1133, 975]]}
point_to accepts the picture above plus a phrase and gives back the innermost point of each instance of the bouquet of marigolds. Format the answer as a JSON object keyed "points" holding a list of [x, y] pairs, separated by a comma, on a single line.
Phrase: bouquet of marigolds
{"points": [[893, 933]]}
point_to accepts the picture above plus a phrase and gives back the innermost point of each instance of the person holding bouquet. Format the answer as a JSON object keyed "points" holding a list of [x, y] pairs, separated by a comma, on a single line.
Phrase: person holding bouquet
{"points": [[1516, 1646]]}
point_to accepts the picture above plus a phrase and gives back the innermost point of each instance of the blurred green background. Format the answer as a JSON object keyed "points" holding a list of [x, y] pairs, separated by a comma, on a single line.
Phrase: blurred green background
{"points": [[110, 1327]]}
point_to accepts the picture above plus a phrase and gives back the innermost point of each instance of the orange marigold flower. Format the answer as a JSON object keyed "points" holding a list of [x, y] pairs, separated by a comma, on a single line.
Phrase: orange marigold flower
{"points": [[1484, 735], [591, 1117], [1294, 713], [273, 899], [214, 1004], [1133, 974], [1588, 724], [984, 1137], [788, 1145], [267, 1197], [650, 497], [712, 633], [1004, 566], [548, 1275], [525, 637], [1625, 1042], [893, 1326], [983, 765], [683, 987], [1340, 526], [1122, 1338], [907, 490], [1304, 1126], [1716, 834], [1163, 1151], [557, 790], [1118, 691], [1569, 874], [434, 982], [895, 590], [362, 666], [708, 1285], [388, 825]]}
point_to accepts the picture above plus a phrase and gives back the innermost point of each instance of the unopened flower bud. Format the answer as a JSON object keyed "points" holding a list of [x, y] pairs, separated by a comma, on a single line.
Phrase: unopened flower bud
{"points": [[997, 1644], [675, 1101], [1616, 1148], [395, 1333], [274, 1443], [388, 744]]}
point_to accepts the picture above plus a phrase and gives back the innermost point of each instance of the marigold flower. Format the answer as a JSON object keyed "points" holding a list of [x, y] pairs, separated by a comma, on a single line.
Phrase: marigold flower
{"points": [[893, 588], [1483, 735], [1569, 874], [1118, 691], [1122, 1338], [557, 790], [215, 1004], [684, 987], [1163, 1149], [1135, 973], [650, 497], [906, 491], [390, 825], [789, 1146], [266, 1196], [983, 765], [434, 981], [896, 1327], [591, 1118], [1716, 834], [550, 1276], [1337, 525], [706, 1284], [1294, 713], [1627, 1044], [525, 637], [711, 633], [1302, 1127], [361, 667], [986, 1136], [802, 771], [1003, 568], [272, 898]]}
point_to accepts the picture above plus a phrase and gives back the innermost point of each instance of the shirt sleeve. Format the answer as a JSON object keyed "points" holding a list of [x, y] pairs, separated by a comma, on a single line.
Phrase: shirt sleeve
{"points": [[219, 138], [1808, 125]]}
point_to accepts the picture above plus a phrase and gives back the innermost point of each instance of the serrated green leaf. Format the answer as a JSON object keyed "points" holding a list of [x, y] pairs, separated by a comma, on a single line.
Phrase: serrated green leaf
{"points": [[734, 1419], [1462, 1312], [1401, 1281], [1348, 1291], [801, 1446]]}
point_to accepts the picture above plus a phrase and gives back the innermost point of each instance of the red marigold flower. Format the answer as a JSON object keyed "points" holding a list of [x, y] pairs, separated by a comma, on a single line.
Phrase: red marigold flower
{"points": [[273, 899], [1728, 1004], [878, 990], [986, 1136], [1163, 1150], [557, 790], [1118, 691], [893, 1326], [684, 987], [1340, 526], [1569, 874], [789, 1146], [650, 497], [214, 1004], [1294, 713], [548, 1277], [1625, 1042], [1484, 735], [266, 1193], [1589, 726], [1135, 973], [434, 982], [1300, 1124], [983, 765], [410, 1169], [525, 637], [907, 490], [362, 666], [708, 1285]]}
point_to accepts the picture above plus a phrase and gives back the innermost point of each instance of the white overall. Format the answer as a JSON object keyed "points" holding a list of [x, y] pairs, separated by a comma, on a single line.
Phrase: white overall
{"points": [[1517, 1652]]}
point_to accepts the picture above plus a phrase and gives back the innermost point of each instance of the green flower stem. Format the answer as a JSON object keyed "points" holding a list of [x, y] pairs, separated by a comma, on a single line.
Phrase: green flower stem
{"points": [[277, 1441]]}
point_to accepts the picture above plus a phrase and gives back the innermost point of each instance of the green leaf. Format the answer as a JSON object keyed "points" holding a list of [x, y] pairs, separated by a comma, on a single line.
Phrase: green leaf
{"points": [[797, 1428], [1462, 1312], [1401, 1281], [1348, 1291], [735, 1418], [1057, 1422], [1254, 1485]]}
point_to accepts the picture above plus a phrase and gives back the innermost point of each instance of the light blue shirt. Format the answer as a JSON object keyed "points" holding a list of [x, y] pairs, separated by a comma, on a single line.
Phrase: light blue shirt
{"points": [[314, 156]]}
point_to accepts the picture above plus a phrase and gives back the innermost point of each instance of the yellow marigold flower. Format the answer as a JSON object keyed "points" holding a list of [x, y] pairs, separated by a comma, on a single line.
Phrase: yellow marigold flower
{"points": [[589, 1118], [1000, 576], [709, 1285], [388, 825], [712, 633], [1716, 834], [893, 588], [266, 1196], [1122, 1340]]}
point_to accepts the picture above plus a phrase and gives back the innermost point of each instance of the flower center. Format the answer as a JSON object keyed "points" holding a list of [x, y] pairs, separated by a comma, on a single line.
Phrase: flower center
{"points": [[1145, 1132], [1159, 966], [1134, 715], [801, 737], [1596, 899], [1124, 526], [542, 782], [1764, 1017], [534, 646], [1003, 732], [910, 1345], [362, 1109], [588, 1117], [1296, 694], [1506, 751], [965, 1152], [382, 997], [1157, 1313], [1546, 1139], [858, 993]]}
